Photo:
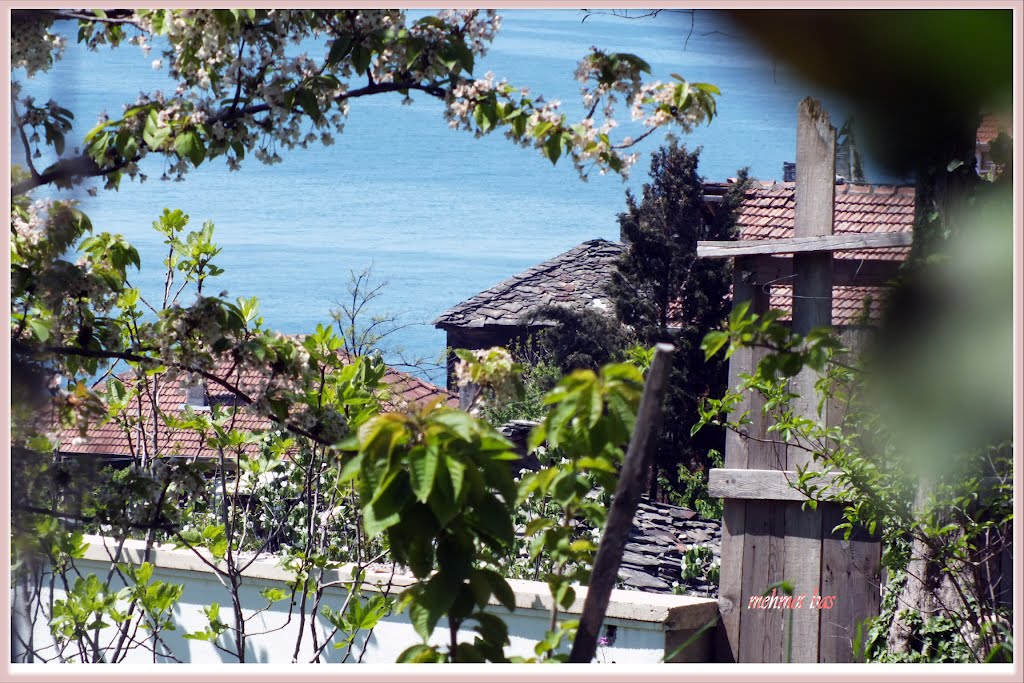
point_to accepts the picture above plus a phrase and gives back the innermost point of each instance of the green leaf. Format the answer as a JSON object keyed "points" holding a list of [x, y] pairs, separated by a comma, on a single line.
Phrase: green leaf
{"points": [[596, 464], [153, 134], [188, 145], [457, 473], [418, 653], [39, 328], [423, 468], [493, 520], [637, 61], [351, 469], [361, 56], [307, 98], [553, 147], [273, 594], [482, 116], [389, 498], [502, 591], [340, 48], [462, 424], [706, 87], [492, 627], [463, 55], [713, 343], [422, 620]]}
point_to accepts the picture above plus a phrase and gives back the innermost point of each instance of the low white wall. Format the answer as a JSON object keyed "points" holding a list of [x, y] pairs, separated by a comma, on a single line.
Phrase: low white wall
{"points": [[644, 622]]}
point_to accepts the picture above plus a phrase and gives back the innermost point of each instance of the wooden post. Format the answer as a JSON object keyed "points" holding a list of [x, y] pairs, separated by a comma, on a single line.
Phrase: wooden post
{"points": [[627, 497], [812, 307], [849, 569]]}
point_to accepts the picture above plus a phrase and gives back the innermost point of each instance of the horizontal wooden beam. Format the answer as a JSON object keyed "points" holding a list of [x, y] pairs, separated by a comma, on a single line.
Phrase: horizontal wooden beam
{"points": [[760, 484], [765, 268], [778, 484], [791, 245]]}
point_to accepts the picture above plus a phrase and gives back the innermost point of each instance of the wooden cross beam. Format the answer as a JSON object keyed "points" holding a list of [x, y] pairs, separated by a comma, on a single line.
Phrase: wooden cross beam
{"points": [[803, 244]]}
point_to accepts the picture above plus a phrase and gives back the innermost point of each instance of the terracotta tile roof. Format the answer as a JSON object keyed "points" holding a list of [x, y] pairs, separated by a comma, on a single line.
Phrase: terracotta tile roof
{"points": [[398, 390], [768, 210], [576, 278], [991, 126], [848, 303]]}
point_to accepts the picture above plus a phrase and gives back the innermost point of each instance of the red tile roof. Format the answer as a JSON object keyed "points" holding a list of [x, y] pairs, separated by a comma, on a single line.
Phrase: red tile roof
{"points": [[991, 126], [768, 210], [399, 389]]}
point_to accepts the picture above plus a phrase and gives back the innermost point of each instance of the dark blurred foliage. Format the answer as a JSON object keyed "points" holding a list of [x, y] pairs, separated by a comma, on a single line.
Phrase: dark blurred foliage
{"points": [[578, 338], [917, 78], [919, 82]]}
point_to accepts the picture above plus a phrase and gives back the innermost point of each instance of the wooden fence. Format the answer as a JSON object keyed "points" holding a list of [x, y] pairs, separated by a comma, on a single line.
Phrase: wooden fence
{"points": [[767, 536]]}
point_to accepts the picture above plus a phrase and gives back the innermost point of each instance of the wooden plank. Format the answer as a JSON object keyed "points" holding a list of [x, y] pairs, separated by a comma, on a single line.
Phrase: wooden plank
{"points": [[846, 272], [851, 573], [793, 245], [730, 585], [744, 289], [762, 630], [803, 570], [738, 484], [815, 190], [730, 582], [850, 570], [640, 453]]}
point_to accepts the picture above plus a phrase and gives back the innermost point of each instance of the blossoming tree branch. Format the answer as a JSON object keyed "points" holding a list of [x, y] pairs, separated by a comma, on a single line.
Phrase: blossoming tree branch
{"points": [[241, 89]]}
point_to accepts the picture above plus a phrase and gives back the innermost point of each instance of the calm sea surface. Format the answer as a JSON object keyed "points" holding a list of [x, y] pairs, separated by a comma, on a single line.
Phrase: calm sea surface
{"points": [[439, 214]]}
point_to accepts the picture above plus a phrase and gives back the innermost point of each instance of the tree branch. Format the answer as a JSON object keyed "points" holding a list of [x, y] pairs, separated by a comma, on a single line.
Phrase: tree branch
{"points": [[84, 166], [113, 16], [24, 138], [69, 169]]}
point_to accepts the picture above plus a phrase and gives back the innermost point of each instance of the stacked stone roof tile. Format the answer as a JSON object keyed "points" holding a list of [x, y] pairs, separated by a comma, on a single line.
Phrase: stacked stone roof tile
{"points": [[575, 278]]}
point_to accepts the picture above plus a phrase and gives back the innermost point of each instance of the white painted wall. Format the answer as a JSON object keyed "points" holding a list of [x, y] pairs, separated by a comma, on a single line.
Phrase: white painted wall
{"points": [[641, 619]]}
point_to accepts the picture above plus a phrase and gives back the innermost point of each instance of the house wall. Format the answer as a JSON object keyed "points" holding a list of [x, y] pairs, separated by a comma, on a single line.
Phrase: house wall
{"points": [[645, 624], [474, 338]]}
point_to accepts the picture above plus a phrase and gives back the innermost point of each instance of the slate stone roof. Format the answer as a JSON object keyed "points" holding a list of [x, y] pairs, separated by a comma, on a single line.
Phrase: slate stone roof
{"points": [[575, 278], [660, 534], [654, 551], [110, 439]]}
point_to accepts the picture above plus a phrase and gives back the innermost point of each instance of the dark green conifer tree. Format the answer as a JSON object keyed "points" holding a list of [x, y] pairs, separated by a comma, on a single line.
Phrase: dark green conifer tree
{"points": [[663, 292]]}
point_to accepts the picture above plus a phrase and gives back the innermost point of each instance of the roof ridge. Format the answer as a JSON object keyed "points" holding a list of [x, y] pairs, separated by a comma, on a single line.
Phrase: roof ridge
{"points": [[512, 281]]}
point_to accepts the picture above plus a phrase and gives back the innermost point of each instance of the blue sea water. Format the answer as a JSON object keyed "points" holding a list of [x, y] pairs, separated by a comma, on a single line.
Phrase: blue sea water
{"points": [[440, 215]]}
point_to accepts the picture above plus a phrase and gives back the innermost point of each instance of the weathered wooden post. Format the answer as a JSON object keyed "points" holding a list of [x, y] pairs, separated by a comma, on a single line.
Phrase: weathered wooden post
{"points": [[627, 497], [766, 535]]}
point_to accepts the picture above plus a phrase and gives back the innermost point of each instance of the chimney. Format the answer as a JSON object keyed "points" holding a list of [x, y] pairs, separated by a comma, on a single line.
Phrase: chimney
{"points": [[195, 394], [789, 171]]}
